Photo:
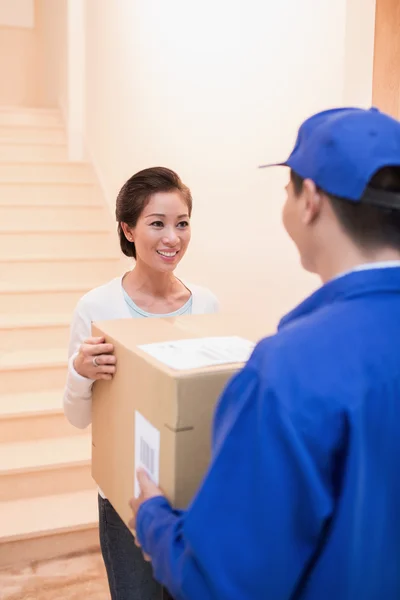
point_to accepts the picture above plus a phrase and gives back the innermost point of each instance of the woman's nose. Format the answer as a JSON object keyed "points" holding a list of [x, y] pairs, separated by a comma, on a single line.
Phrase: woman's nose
{"points": [[170, 237]]}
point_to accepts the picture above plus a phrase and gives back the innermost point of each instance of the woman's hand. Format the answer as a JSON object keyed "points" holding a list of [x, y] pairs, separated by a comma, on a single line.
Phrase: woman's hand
{"points": [[95, 359]]}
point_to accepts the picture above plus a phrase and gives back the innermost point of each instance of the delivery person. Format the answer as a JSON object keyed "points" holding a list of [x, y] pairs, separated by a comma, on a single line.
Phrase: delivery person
{"points": [[302, 497]]}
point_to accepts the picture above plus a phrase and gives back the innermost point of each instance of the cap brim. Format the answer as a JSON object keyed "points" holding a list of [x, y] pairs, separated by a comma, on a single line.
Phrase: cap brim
{"points": [[282, 164]]}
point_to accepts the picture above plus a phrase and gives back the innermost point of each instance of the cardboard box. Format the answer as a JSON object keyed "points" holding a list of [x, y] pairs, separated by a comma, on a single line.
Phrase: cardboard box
{"points": [[160, 415]]}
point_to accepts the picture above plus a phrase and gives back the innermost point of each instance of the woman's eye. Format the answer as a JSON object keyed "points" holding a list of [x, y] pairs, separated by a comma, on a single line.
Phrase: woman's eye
{"points": [[157, 224], [183, 224]]}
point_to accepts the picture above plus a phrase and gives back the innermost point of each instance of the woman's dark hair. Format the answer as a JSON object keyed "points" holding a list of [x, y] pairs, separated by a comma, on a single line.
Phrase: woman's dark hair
{"points": [[136, 193], [370, 227]]}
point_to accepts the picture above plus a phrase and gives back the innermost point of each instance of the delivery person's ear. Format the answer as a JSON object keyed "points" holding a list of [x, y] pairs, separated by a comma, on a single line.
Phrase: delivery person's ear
{"points": [[311, 202]]}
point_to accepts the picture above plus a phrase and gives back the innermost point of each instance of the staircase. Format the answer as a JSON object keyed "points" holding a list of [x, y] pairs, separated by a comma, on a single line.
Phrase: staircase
{"points": [[56, 243]]}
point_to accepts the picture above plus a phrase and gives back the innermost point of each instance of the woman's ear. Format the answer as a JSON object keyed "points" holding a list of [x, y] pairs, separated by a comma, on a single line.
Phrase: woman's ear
{"points": [[128, 231]]}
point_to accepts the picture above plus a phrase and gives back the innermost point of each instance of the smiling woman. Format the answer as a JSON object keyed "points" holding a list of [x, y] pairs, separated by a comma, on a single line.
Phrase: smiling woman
{"points": [[153, 211]]}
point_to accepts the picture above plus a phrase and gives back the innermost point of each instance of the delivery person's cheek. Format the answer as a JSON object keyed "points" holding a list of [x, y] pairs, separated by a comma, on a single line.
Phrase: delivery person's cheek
{"points": [[286, 218]]}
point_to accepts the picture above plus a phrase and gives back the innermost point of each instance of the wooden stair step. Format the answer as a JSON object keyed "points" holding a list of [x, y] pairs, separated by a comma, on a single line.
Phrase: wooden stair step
{"points": [[35, 321], [30, 109], [18, 361], [33, 331], [50, 258], [61, 172], [13, 116], [48, 527], [50, 194], [88, 243], [32, 152], [74, 270], [20, 286], [44, 454], [44, 228], [38, 467], [17, 297], [32, 134], [34, 415], [12, 124], [32, 370], [30, 404], [47, 514], [49, 218]]}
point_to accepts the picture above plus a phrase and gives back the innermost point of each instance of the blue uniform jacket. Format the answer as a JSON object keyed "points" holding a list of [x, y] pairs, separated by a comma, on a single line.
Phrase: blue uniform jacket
{"points": [[302, 497]]}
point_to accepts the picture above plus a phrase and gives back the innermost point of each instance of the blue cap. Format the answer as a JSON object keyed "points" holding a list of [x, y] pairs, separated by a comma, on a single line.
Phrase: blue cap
{"points": [[341, 149]]}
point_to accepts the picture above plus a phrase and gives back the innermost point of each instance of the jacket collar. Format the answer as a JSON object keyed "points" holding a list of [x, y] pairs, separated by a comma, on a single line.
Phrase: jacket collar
{"points": [[346, 287]]}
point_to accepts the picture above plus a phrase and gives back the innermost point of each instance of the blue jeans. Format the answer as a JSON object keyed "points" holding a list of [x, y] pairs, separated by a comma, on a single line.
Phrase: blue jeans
{"points": [[130, 577]]}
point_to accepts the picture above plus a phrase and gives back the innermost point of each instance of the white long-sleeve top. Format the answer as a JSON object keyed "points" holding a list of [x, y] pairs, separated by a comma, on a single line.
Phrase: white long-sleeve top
{"points": [[104, 303]]}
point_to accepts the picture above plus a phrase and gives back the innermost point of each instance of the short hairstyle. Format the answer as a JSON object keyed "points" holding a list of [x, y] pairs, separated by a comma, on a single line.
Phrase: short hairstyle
{"points": [[369, 226]]}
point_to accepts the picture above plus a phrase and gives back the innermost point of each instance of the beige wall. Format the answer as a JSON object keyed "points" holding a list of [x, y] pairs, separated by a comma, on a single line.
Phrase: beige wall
{"points": [[213, 90], [51, 27], [359, 57], [210, 89], [18, 66], [33, 62], [17, 13]]}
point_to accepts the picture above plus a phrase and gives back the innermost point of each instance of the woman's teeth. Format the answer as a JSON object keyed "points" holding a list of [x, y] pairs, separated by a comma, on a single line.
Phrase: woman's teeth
{"points": [[167, 254]]}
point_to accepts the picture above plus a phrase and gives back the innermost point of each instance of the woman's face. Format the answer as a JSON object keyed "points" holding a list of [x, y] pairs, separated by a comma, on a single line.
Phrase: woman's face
{"points": [[162, 233]]}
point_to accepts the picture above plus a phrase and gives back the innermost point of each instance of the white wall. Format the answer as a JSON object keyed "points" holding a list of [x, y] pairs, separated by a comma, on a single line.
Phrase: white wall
{"points": [[17, 13], [212, 90]]}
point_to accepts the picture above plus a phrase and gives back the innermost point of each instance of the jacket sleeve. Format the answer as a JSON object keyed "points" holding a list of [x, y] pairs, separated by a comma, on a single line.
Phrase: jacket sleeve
{"points": [[77, 399], [260, 513]]}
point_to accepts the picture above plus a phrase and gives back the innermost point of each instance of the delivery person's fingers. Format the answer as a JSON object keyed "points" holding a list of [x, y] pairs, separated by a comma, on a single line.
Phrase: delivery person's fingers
{"points": [[148, 488]]}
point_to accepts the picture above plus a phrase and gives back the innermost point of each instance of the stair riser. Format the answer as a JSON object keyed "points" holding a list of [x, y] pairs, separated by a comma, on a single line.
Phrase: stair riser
{"points": [[74, 244], [40, 303], [33, 135], [46, 173], [30, 118], [35, 194], [32, 380], [32, 152], [46, 547], [33, 338], [32, 484], [57, 273], [15, 218], [36, 427]]}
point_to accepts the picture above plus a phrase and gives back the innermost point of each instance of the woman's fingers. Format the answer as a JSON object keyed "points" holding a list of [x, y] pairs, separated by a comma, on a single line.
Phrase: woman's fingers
{"points": [[96, 349], [94, 340], [96, 359], [106, 369], [105, 359]]}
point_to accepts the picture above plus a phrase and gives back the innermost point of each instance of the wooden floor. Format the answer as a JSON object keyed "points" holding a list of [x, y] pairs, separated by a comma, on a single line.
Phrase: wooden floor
{"points": [[76, 578]]}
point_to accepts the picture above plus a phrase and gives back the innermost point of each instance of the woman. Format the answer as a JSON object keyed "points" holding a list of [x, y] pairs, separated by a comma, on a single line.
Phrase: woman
{"points": [[153, 212]]}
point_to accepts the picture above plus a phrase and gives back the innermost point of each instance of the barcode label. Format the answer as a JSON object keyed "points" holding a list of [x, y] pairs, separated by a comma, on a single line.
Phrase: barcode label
{"points": [[147, 456], [147, 449]]}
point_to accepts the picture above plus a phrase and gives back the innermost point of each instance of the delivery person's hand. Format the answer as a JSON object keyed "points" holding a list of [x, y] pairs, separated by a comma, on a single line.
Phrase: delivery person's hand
{"points": [[95, 359], [148, 489]]}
